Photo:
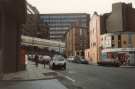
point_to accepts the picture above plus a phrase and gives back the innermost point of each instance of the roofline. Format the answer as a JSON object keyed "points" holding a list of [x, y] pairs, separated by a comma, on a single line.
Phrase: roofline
{"points": [[65, 14]]}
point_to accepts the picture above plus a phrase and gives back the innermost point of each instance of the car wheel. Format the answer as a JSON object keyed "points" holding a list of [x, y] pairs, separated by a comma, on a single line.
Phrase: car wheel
{"points": [[53, 66]]}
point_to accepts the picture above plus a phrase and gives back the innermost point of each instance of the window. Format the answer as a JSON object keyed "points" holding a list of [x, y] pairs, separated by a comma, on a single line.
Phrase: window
{"points": [[112, 37], [119, 41], [81, 32], [113, 45]]}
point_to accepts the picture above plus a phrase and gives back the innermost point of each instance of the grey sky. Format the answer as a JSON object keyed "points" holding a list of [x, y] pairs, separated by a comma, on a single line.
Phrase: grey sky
{"points": [[75, 6]]}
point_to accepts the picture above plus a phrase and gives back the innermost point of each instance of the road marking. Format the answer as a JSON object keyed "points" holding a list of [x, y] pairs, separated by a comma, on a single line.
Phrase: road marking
{"points": [[71, 72], [69, 78]]}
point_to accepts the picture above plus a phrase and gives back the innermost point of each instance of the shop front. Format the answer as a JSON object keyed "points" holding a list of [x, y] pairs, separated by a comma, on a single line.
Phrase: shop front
{"points": [[125, 56]]}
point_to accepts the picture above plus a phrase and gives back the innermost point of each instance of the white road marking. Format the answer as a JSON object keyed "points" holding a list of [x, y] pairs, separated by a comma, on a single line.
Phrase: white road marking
{"points": [[69, 78]]}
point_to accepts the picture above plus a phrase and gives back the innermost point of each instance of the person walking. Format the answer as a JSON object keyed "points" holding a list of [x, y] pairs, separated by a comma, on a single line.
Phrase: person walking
{"points": [[36, 60], [44, 62]]}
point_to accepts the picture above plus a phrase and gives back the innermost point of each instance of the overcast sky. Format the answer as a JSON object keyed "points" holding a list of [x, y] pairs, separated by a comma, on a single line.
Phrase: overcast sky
{"points": [[75, 6]]}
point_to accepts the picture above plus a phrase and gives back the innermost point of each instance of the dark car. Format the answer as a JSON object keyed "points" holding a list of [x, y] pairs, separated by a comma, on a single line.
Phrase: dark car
{"points": [[83, 61], [80, 60]]}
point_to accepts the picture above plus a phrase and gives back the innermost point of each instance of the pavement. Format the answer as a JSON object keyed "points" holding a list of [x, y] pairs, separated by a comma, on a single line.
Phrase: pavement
{"points": [[39, 84], [77, 76], [32, 73]]}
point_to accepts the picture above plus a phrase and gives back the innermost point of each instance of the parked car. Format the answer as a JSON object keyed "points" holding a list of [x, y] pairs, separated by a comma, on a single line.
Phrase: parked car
{"points": [[83, 61], [57, 61], [70, 59], [80, 60]]}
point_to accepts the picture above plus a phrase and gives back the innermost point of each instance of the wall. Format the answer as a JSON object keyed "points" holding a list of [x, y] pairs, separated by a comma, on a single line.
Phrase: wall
{"points": [[95, 30], [133, 40], [11, 22], [130, 18], [115, 21], [125, 36], [76, 42]]}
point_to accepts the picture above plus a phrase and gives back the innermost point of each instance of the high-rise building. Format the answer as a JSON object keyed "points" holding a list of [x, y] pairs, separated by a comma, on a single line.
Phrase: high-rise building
{"points": [[59, 23]]}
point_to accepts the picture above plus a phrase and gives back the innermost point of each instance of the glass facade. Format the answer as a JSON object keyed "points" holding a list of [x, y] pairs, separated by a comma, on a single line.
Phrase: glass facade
{"points": [[59, 23]]}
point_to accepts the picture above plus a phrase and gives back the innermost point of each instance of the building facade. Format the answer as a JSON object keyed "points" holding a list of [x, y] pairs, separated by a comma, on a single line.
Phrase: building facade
{"points": [[12, 15], [118, 46], [122, 18], [34, 26], [76, 41], [59, 24], [120, 23], [93, 53]]}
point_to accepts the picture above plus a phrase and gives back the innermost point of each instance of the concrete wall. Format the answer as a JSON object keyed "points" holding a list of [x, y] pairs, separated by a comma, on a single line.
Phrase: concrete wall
{"points": [[122, 18], [129, 18], [115, 20]]}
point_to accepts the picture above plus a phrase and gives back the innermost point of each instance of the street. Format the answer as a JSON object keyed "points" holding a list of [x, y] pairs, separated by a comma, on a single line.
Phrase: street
{"points": [[97, 77], [81, 76]]}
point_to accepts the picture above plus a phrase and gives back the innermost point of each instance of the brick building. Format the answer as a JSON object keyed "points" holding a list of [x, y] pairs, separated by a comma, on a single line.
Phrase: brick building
{"points": [[76, 41]]}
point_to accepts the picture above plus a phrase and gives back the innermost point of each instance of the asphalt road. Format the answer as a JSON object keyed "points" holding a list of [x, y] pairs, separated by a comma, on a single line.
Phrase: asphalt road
{"points": [[81, 76]]}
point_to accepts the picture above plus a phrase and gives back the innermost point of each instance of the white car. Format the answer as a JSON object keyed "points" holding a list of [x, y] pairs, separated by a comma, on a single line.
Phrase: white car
{"points": [[58, 61], [70, 59]]}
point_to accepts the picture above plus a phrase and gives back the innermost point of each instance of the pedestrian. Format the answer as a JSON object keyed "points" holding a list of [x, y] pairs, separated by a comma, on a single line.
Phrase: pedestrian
{"points": [[44, 62], [36, 60]]}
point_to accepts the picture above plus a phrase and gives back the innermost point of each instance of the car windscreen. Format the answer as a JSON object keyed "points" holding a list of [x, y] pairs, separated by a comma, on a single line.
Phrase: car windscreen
{"points": [[59, 58]]}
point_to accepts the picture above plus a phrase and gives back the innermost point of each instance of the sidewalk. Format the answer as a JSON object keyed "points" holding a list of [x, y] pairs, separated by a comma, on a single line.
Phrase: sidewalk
{"points": [[124, 66], [32, 73]]}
